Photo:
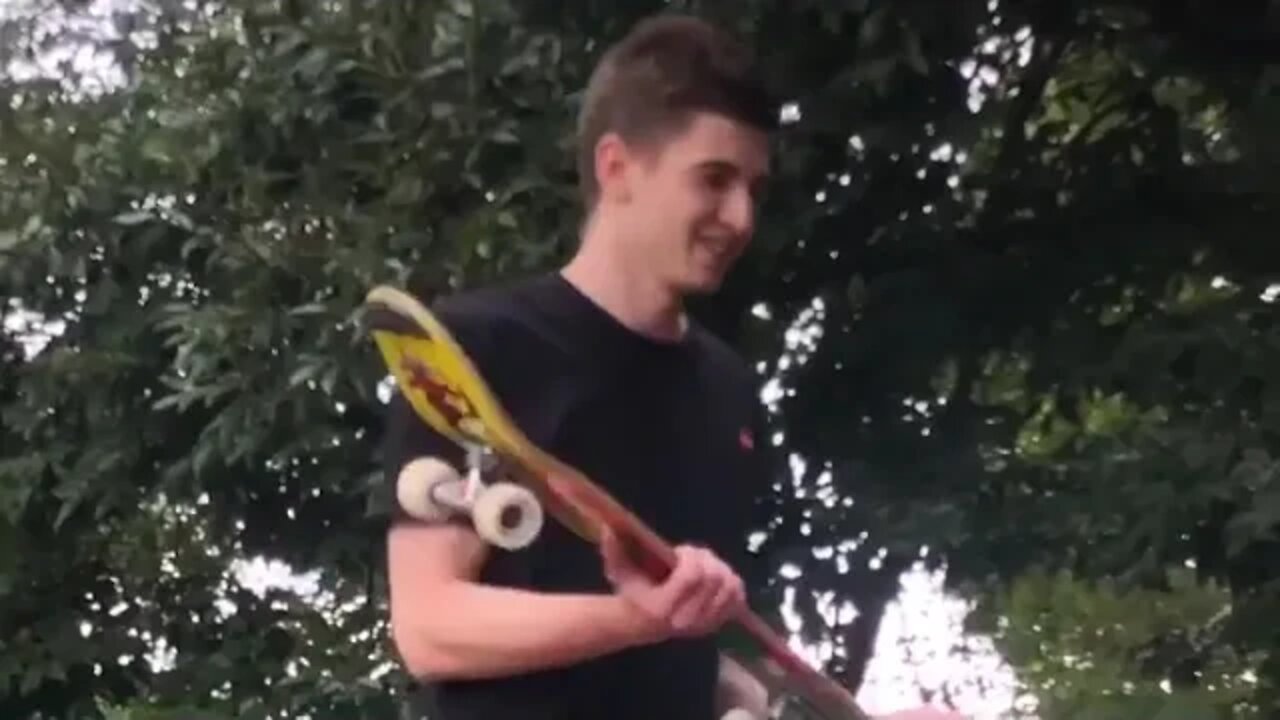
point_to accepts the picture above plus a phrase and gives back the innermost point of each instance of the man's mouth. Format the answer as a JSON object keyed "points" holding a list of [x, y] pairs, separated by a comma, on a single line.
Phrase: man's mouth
{"points": [[718, 249]]}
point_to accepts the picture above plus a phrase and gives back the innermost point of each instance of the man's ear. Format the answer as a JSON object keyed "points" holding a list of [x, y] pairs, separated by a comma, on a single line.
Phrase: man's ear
{"points": [[613, 164]]}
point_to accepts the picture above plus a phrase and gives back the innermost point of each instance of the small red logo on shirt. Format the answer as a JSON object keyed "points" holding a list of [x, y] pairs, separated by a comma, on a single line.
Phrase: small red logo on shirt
{"points": [[746, 440]]}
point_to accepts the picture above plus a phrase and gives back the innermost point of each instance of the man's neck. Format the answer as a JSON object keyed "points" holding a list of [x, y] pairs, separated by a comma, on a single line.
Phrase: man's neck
{"points": [[622, 289]]}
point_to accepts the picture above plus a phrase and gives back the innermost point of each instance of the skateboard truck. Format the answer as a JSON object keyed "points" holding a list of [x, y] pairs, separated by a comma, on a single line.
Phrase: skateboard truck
{"points": [[504, 514]]}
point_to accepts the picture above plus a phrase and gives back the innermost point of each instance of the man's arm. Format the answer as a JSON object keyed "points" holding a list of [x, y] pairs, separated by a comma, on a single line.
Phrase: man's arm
{"points": [[447, 625], [444, 623]]}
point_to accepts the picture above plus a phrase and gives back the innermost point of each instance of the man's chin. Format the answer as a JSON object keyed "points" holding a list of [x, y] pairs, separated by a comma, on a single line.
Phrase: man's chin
{"points": [[702, 283]]}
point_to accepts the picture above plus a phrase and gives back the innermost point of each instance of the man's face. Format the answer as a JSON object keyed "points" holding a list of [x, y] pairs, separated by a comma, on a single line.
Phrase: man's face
{"points": [[688, 203]]}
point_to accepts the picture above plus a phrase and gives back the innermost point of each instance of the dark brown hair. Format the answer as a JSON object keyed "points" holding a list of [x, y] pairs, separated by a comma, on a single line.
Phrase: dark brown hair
{"points": [[649, 83]]}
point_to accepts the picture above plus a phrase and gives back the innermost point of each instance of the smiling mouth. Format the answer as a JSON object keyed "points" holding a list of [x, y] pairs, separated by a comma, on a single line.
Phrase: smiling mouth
{"points": [[716, 253], [713, 258], [719, 249]]}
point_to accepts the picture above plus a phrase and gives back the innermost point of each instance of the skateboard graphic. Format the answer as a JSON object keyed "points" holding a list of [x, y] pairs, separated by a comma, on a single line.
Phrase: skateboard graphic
{"points": [[510, 486]]}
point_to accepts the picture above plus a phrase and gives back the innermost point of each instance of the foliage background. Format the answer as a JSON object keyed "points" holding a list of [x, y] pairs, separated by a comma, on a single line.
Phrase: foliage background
{"points": [[1012, 302]]}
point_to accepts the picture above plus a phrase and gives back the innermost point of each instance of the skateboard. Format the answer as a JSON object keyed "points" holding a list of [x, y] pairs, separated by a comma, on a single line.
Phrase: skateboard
{"points": [[509, 486]]}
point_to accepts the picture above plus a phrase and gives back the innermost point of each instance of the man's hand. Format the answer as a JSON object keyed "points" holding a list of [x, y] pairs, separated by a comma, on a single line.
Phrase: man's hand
{"points": [[700, 594], [738, 689]]}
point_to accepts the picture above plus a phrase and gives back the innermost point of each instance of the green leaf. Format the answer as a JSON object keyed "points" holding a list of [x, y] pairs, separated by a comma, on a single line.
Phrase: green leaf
{"points": [[32, 678], [913, 53], [136, 217], [1190, 706], [309, 309]]}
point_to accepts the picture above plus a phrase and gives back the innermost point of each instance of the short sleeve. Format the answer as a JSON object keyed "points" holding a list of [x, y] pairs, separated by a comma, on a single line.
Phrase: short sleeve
{"points": [[408, 437]]}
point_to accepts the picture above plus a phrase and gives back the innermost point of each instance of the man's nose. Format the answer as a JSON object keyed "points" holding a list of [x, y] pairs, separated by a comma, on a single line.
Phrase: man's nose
{"points": [[738, 211]]}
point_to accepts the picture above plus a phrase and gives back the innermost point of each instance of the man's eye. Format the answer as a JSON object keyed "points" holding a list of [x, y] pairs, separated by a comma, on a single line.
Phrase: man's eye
{"points": [[718, 179]]}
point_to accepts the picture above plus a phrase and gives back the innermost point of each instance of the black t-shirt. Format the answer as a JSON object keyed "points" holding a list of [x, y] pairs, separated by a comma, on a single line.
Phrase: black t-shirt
{"points": [[672, 429]]}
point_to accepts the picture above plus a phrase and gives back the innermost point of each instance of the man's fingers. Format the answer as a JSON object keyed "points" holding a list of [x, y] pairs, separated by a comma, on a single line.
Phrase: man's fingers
{"points": [[702, 610], [618, 568], [656, 599], [696, 597], [683, 586], [690, 596], [729, 597]]}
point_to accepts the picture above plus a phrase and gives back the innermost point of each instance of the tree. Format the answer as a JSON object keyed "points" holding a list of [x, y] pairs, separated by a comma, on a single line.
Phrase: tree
{"points": [[1097, 651], [1054, 360]]}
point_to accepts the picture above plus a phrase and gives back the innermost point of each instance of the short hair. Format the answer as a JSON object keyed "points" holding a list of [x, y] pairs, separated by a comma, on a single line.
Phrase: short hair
{"points": [[649, 84]]}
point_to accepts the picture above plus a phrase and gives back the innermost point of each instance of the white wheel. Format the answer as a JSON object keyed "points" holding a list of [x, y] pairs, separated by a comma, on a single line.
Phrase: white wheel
{"points": [[739, 714], [422, 485], [507, 515]]}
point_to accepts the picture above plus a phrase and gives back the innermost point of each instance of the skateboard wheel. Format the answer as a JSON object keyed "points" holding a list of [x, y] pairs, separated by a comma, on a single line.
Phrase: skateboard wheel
{"points": [[740, 714], [422, 485], [507, 515]]}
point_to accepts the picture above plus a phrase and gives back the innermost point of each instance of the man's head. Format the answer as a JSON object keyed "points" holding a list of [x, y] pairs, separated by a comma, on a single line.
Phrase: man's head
{"points": [[673, 149]]}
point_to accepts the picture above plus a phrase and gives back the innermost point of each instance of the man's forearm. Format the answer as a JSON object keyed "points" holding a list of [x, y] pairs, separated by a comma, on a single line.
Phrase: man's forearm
{"points": [[469, 630]]}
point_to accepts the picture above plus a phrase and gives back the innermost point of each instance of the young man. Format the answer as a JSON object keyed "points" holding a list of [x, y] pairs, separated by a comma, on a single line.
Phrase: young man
{"points": [[600, 365]]}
